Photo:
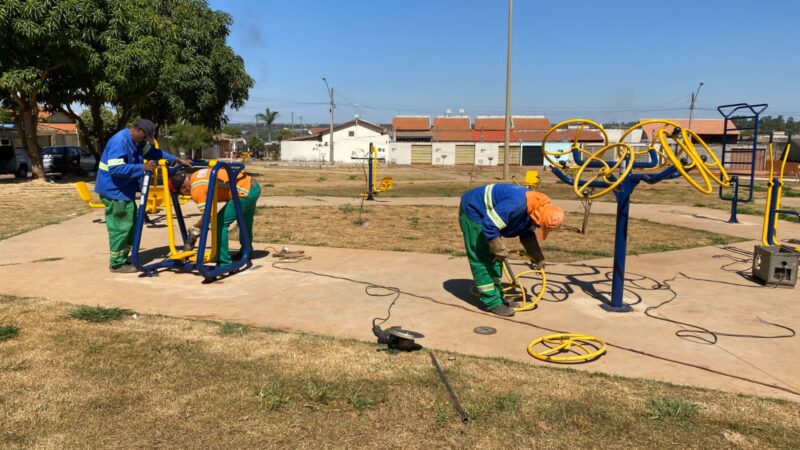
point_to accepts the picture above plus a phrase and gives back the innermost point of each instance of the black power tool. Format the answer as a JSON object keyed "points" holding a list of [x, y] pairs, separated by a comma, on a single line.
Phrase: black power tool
{"points": [[397, 338]]}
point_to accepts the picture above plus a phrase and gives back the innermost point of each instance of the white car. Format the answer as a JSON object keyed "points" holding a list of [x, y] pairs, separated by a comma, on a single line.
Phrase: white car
{"points": [[13, 160]]}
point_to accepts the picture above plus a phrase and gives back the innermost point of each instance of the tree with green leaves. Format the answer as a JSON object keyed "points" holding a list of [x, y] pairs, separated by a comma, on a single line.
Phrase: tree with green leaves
{"points": [[268, 117], [256, 146], [41, 39], [193, 138], [232, 131], [166, 60]]}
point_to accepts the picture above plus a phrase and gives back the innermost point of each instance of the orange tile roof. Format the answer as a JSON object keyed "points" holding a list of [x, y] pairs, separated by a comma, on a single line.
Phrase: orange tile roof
{"points": [[451, 123], [569, 135], [450, 135], [703, 127], [411, 123], [491, 123], [531, 122], [63, 128], [315, 130]]}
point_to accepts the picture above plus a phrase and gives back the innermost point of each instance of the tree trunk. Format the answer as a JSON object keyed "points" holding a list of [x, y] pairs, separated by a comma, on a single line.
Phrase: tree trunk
{"points": [[96, 109], [26, 128]]}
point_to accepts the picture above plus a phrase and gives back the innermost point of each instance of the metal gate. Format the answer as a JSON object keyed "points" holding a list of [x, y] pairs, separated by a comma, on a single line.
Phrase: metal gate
{"points": [[465, 154], [513, 155], [421, 154]]}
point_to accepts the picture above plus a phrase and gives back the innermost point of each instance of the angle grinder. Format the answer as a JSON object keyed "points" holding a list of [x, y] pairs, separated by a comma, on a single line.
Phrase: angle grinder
{"points": [[397, 338]]}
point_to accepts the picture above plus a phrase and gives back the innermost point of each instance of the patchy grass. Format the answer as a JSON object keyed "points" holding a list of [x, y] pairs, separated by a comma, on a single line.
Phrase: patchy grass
{"points": [[670, 408], [166, 382], [26, 206], [229, 328], [98, 314], [8, 332], [434, 229]]}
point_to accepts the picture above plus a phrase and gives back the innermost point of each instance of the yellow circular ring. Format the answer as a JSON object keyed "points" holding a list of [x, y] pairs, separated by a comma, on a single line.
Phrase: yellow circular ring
{"points": [[723, 179], [605, 172], [694, 162], [574, 145], [592, 347]]}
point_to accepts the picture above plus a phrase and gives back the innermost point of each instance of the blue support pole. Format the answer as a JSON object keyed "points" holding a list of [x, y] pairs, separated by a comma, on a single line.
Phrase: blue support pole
{"points": [[623, 195], [370, 187], [734, 200]]}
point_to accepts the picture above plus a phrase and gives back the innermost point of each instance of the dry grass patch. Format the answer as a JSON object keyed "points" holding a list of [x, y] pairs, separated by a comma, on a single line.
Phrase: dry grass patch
{"points": [[165, 382], [29, 205], [434, 229]]}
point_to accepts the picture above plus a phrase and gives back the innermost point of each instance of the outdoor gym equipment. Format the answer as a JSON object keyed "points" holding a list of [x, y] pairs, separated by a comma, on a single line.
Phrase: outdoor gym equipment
{"points": [[372, 180], [772, 211], [674, 152], [556, 345], [740, 156], [776, 261], [513, 290], [201, 259], [86, 195]]}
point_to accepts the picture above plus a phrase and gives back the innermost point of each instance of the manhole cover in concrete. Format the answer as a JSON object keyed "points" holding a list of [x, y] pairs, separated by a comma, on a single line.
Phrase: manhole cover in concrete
{"points": [[485, 330]]}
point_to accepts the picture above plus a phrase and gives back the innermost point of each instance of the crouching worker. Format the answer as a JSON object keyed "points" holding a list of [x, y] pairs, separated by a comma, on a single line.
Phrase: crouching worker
{"points": [[196, 185], [489, 212]]}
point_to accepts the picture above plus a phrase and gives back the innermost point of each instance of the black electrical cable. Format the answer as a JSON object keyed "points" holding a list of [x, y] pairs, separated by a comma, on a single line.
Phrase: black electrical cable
{"points": [[700, 334], [276, 265]]}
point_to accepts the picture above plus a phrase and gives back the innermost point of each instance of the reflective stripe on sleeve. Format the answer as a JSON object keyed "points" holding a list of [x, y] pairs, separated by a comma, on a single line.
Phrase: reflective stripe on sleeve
{"points": [[493, 216], [116, 162], [103, 166]]}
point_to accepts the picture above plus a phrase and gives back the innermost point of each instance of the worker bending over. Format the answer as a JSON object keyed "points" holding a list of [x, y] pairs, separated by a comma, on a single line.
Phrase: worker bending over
{"points": [[503, 210], [248, 190]]}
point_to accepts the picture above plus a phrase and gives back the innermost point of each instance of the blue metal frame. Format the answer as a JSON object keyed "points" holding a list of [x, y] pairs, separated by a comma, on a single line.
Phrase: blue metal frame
{"points": [[728, 111], [623, 195], [209, 272]]}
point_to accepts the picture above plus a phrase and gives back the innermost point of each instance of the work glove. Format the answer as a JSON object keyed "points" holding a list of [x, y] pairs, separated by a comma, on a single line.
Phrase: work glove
{"points": [[194, 235], [498, 249]]}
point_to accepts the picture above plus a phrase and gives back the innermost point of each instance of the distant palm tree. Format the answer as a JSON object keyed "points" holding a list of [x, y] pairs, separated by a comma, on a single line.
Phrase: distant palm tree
{"points": [[268, 117]]}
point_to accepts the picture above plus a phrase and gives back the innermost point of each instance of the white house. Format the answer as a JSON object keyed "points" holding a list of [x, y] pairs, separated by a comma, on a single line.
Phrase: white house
{"points": [[350, 139]]}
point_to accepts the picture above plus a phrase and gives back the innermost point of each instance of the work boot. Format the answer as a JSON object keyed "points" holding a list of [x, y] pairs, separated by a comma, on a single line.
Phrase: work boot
{"points": [[502, 311], [512, 303], [125, 268]]}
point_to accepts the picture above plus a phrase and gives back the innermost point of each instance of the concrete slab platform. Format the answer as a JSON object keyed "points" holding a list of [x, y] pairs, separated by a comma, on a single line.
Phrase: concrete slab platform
{"points": [[707, 288]]}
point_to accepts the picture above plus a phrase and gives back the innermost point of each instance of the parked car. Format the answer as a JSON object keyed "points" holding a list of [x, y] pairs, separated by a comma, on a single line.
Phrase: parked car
{"points": [[65, 159], [13, 160]]}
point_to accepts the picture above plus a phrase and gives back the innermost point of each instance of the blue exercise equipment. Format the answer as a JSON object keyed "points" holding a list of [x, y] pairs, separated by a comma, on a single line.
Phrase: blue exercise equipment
{"points": [[201, 260]]}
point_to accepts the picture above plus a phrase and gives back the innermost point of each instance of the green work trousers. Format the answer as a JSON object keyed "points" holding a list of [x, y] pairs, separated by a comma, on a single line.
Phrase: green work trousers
{"points": [[227, 215], [486, 271], [120, 220]]}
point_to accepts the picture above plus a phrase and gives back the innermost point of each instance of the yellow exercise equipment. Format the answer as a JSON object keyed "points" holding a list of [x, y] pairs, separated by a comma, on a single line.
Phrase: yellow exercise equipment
{"points": [[373, 187], [532, 180], [513, 290], [769, 232], [163, 188], [578, 347], [86, 195]]}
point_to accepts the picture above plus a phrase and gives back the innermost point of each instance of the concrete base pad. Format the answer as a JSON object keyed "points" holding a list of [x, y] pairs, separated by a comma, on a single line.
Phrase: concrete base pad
{"points": [[707, 290]]}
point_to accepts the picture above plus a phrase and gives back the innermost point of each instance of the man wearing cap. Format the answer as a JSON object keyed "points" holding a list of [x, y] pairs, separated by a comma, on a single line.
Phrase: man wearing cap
{"points": [[119, 177], [196, 185], [490, 212]]}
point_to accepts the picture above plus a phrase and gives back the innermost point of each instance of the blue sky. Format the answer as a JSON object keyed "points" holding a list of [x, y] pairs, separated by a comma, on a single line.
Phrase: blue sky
{"points": [[617, 60]]}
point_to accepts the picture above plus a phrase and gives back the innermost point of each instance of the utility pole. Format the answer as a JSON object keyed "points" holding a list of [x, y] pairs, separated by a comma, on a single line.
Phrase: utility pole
{"points": [[508, 98], [330, 92], [691, 106]]}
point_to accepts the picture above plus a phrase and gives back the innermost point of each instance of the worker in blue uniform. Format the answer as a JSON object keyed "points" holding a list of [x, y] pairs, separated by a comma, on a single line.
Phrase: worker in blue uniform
{"points": [[490, 212], [119, 177]]}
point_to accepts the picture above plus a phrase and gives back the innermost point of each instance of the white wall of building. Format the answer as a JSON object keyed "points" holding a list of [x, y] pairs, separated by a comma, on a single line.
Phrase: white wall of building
{"points": [[444, 153], [399, 153], [345, 146], [484, 151]]}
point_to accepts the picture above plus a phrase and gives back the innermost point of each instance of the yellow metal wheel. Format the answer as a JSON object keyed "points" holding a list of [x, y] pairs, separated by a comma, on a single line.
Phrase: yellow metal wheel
{"points": [[582, 123], [605, 172], [567, 348]]}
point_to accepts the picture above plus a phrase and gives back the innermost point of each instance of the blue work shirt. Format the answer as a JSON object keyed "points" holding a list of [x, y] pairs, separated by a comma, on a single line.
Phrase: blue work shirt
{"points": [[121, 166], [500, 209]]}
